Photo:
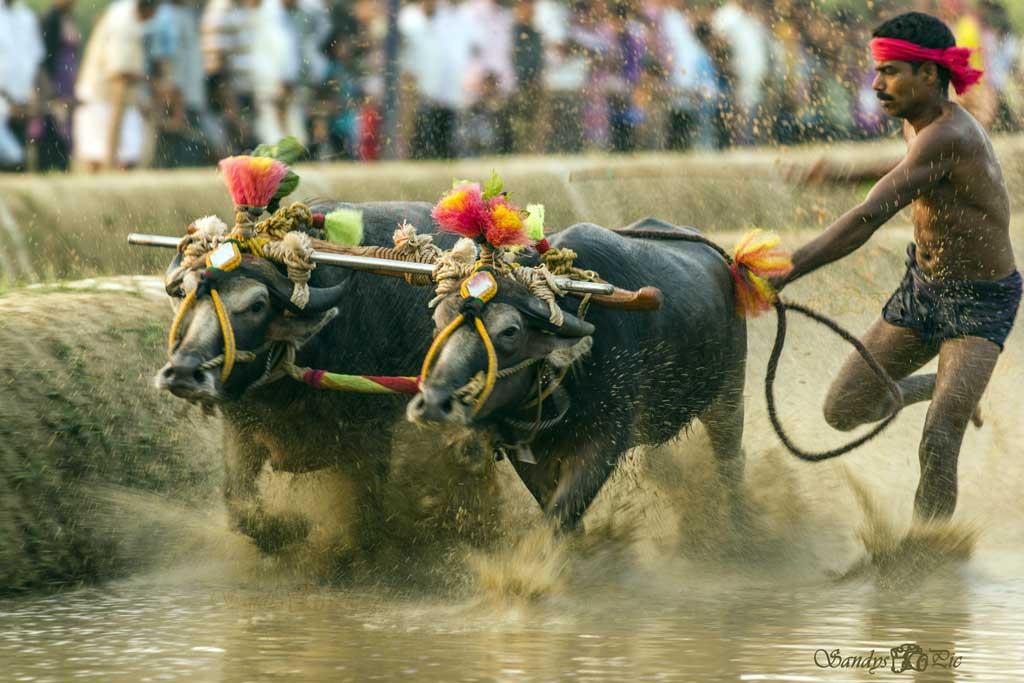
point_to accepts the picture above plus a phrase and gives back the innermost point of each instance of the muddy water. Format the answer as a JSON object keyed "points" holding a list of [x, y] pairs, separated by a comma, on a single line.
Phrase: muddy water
{"points": [[624, 631], [825, 579]]}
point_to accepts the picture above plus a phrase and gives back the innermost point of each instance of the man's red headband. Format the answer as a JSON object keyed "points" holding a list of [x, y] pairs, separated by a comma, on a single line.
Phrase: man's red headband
{"points": [[953, 58]]}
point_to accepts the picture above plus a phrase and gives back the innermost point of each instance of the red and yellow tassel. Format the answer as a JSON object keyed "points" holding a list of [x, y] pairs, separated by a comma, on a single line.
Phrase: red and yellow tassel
{"points": [[756, 258], [506, 227]]}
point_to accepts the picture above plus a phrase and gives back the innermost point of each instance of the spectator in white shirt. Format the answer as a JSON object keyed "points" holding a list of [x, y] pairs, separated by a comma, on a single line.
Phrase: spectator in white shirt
{"points": [[277, 69], [108, 124], [437, 45], [691, 77], [175, 46], [749, 44]]}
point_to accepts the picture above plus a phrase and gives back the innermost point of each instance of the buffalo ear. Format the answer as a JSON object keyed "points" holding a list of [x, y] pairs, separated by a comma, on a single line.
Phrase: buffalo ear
{"points": [[559, 351], [297, 331], [568, 354]]}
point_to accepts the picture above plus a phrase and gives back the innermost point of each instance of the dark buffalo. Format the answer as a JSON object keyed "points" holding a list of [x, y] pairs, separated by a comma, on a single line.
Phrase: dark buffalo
{"points": [[374, 325], [646, 377]]}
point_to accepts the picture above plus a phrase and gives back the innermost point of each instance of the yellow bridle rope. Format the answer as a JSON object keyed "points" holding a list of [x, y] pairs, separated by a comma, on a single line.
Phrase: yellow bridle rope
{"points": [[492, 357], [225, 327]]}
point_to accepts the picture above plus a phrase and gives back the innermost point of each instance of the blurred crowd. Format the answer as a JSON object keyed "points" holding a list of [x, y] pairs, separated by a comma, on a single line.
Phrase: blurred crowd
{"points": [[170, 83]]}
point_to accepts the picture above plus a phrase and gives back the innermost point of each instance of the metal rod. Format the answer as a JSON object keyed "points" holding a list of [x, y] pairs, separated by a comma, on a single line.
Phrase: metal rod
{"points": [[370, 263], [570, 285], [141, 240]]}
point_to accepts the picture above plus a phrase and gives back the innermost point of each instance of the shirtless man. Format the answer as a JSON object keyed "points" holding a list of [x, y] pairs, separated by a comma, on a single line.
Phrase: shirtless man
{"points": [[960, 294]]}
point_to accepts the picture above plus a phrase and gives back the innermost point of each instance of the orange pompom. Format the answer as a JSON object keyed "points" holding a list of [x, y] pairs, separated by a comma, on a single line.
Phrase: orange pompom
{"points": [[757, 257], [506, 226]]}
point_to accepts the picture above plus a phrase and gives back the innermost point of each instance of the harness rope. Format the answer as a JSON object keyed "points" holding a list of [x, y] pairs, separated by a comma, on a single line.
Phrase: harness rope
{"points": [[781, 308], [471, 309], [318, 379], [452, 275]]}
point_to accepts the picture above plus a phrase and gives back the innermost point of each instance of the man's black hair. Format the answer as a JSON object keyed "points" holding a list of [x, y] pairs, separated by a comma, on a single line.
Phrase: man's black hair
{"points": [[921, 29]]}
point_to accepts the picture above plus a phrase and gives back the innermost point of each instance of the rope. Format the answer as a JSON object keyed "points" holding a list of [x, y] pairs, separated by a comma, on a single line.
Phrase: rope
{"points": [[561, 261], [541, 283], [780, 339], [773, 363], [285, 220], [295, 251], [172, 336], [229, 336], [452, 267], [410, 244], [492, 366], [439, 341], [228, 358]]}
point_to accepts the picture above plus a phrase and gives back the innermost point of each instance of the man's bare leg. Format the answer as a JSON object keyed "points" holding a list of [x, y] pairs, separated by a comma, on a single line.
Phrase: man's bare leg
{"points": [[965, 366], [858, 396]]}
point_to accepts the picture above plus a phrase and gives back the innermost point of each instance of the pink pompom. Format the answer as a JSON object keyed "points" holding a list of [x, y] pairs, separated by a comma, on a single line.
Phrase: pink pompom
{"points": [[252, 181]]}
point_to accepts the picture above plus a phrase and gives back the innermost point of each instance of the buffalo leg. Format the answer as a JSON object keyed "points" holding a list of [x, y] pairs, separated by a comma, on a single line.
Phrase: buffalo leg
{"points": [[724, 423], [581, 475], [540, 479], [243, 460]]}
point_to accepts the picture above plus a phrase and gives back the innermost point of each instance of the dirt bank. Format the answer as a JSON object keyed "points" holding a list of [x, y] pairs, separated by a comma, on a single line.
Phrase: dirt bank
{"points": [[81, 425]]}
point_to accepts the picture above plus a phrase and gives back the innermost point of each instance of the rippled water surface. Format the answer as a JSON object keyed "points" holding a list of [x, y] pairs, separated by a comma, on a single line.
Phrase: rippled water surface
{"points": [[149, 632]]}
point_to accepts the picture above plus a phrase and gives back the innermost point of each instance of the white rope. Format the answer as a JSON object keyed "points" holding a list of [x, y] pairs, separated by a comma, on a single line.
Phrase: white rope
{"points": [[452, 268], [409, 243], [541, 283], [295, 251]]}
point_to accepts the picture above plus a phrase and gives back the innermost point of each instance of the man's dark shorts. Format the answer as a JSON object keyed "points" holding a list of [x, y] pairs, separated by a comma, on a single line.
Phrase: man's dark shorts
{"points": [[947, 309]]}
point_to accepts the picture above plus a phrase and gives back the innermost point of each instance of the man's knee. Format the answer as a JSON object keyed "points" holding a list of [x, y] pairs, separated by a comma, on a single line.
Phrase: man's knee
{"points": [[837, 417], [843, 411]]}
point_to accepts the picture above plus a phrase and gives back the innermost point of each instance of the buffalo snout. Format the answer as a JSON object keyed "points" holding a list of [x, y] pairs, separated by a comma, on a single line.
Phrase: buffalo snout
{"points": [[184, 377], [433, 405]]}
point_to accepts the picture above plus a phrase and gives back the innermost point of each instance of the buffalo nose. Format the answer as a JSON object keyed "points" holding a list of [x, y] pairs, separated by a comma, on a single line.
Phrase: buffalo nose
{"points": [[183, 374], [431, 406]]}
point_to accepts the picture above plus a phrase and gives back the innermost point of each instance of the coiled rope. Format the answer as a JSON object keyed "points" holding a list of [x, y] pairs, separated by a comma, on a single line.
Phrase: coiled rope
{"points": [[781, 309]]}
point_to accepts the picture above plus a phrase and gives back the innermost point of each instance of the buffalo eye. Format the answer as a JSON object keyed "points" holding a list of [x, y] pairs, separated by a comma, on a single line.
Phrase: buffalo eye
{"points": [[509, 332], [257, 307]]}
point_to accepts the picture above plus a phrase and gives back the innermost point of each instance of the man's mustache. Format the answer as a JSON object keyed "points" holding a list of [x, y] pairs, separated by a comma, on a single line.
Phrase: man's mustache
{"points": [[882, 96]]}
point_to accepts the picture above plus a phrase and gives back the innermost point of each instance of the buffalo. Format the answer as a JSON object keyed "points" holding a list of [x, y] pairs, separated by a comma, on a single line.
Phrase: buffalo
{"points": [[630, 378], [355, 323]]}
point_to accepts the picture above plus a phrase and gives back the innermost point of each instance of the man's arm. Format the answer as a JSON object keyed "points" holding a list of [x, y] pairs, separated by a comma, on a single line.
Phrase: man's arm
{"points": [[826, 171], [931, 157]]}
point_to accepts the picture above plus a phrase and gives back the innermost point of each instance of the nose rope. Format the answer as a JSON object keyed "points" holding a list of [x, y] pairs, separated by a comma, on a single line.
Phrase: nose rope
{"points": [[227, 360], [490, 379], [229, 337]]}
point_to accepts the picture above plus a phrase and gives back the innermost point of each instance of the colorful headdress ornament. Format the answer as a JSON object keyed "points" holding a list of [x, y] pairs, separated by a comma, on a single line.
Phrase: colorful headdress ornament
{"points": [[252, 182], [482, 214]]}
